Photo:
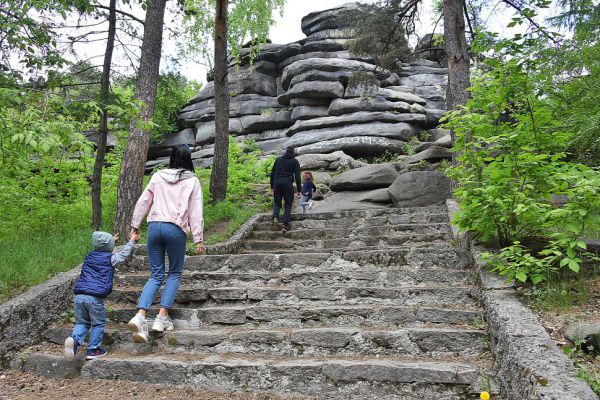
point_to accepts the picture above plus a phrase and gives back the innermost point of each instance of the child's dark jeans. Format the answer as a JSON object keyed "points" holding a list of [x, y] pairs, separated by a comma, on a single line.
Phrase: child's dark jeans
{"points": [[91, 316]]}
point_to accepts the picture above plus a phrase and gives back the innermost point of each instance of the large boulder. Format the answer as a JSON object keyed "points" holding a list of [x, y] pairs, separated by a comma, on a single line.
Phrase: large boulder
{"points": [[358, 200], [349, 106], [313, 89], [420, 189], [388, 93], [400, 131], [324, 76], [374, 176], [328, 19], [357, 146], [308, 112], [362, 117], [331, 161], [344, 55], [328, 65], [329, 45], [271, 52], [432, 154], [270, 121]]}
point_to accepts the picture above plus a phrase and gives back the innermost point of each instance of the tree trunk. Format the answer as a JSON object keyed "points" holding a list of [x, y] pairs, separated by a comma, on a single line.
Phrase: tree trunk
{"points": [[103, 127], [459, 64], [134, 159], [218, 177]]}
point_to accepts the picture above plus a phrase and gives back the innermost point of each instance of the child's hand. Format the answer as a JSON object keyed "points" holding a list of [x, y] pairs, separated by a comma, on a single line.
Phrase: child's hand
{"points": [[135, 236], [116, 238]]}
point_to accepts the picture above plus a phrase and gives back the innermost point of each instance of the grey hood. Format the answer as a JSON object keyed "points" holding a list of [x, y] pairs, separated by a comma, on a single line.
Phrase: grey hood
{"points": [[175, 175]]}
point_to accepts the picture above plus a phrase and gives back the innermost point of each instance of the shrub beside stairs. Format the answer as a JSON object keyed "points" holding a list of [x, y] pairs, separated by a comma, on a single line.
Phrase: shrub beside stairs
{"points": [[348, 305]]}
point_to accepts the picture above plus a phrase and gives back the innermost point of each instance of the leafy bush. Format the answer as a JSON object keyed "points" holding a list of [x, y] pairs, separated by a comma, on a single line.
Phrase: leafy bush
{"points": [[513, 164]]}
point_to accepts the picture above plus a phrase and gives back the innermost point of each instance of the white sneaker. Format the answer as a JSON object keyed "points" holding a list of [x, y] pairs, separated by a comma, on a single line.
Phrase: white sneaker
{"points": [[162, 324], [139, 326], [310, 205]]}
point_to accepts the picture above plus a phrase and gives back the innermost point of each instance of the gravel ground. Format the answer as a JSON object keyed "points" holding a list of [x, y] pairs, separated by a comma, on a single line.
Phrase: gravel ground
{"points": [[20, 385]]}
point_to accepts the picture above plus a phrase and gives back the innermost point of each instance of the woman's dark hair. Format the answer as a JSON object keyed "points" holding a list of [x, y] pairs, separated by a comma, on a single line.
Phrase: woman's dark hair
{"points": [[181, 158]]}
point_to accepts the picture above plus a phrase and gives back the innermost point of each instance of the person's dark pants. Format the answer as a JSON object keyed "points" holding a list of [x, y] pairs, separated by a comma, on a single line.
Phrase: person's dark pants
{"points": [[283, 190]]}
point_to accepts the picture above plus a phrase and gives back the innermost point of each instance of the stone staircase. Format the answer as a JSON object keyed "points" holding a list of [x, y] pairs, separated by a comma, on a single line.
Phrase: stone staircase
{"points": [[352, 305]]}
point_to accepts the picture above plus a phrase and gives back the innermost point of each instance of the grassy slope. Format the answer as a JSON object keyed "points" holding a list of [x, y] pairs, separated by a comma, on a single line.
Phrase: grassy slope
{"points": [[62, 235]]}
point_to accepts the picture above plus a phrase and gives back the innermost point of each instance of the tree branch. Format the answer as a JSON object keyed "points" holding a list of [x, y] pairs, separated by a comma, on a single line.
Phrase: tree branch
{"points": [[467, 18], [531, 21], [133, 17]]}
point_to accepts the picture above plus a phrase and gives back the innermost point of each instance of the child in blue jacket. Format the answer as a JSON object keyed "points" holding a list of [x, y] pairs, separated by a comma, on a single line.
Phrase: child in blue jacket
{"points": [[94, 284]]}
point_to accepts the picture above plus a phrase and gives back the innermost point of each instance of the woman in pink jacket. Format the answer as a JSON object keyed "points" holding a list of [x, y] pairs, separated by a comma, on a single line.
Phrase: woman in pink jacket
{"points": [[174, 199]]}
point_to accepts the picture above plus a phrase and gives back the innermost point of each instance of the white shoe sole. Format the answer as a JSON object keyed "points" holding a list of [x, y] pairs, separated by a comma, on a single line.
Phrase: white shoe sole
{"points": [[69, 347], [138, 333]]}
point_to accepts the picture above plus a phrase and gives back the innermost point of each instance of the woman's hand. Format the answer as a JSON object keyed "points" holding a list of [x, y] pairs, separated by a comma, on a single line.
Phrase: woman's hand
{"points": [[200, 249]]}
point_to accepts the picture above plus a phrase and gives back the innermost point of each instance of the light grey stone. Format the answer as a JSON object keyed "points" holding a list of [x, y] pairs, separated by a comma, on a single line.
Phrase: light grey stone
{"points": [[344, 55], [330, 338], [312, 89], [308, 112], [361, 117], [274, 146], [420, 189], [323, 76], [342, 33], [186, 136], [424, 80], [328, 65], [374, 176], [349, 106], [579, 331], [272, 52], [385, 93], [328, 19], [399, 131], [432, 154], [355, 146], [353, 200], [260, 123], [325, 161]]}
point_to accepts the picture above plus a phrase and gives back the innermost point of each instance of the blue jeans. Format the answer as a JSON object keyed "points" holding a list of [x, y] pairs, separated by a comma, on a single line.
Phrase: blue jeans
{"points": [[304, 203], [90, 313], [163, 237]]}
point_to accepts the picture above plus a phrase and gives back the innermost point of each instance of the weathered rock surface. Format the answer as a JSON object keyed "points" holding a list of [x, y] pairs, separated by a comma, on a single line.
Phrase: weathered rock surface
{"points": [[312, 89], [308, 112], [401, 131], [354, 200], [355, 146], [349, 106], [432, 154], [361, 117], [331, 161], [374, 176], [420, 189]]}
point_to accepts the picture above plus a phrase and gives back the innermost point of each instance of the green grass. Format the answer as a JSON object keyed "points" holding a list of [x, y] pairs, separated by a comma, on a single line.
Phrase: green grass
{"points": [[42, 235]]}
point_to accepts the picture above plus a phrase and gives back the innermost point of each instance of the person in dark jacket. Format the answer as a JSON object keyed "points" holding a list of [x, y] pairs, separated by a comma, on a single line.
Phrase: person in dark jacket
{"points": [[285, 172], [95, 283]]}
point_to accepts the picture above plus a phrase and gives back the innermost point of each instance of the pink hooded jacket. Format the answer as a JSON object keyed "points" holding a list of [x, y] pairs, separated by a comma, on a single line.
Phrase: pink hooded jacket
{"points": [[172, 197]]}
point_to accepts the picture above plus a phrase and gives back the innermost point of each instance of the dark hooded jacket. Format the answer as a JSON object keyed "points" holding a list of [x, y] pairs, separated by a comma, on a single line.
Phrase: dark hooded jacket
{"points": [[286, 168]]}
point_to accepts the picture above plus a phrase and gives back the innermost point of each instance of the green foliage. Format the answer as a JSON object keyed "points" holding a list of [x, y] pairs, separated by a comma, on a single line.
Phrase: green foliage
{"points": [[514, 162], [380, 33], [248, 19]]}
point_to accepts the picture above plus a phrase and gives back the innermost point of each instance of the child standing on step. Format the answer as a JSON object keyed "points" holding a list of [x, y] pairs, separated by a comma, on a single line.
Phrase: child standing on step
{"points": [[308, 188], [94, 284]]}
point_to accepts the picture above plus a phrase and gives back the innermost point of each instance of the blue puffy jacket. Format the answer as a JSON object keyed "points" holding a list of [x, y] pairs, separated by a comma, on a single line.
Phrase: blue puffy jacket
{"points": [[96, 277]]}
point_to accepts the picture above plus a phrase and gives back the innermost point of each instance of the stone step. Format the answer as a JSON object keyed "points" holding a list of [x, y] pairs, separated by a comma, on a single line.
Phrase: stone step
{"points": [[369, 214], [318, 377], [310, 276], [354, 232], [311, 314], [414, 257], [377, 242], [256, 295], [311, 221], [417, 342]]}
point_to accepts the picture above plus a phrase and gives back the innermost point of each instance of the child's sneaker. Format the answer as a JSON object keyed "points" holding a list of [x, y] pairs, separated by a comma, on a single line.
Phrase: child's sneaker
{"points": [[310, 205], [162, 324], [71, 347], [139, 326], [92, 354]]}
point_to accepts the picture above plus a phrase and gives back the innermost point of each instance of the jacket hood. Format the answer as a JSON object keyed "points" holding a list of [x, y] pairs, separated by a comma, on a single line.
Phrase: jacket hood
{"points": [[289, 155], [175, 175]]}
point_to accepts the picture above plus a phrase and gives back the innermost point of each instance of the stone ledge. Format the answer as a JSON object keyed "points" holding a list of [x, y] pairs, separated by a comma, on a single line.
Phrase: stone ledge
{"points": [[25, 318], [528, 363]]}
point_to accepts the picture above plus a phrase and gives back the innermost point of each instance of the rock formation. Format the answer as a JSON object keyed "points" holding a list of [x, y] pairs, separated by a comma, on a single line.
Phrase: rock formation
{"points": [[298, 94]]}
